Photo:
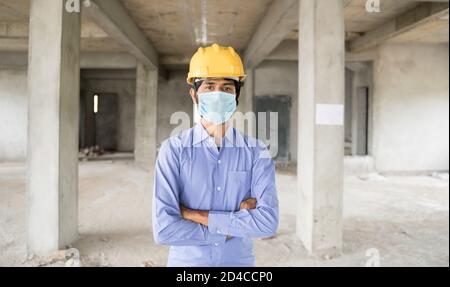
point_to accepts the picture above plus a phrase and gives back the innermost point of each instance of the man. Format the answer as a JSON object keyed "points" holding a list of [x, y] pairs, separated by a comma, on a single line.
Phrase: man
{"points": [[214, 187]]}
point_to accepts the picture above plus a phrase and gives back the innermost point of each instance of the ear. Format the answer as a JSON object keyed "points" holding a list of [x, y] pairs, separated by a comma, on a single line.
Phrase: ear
{"points": [[193, 95]]}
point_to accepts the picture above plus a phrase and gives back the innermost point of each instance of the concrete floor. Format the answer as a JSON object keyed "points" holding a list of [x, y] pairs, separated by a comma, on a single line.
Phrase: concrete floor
{"points": [[406, 218]]}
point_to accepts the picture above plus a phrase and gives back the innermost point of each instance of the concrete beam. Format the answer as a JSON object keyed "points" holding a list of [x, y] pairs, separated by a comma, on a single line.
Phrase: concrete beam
{"points": [[109, 74], [420, 15], [99, 60], [114, 19], [11, 60], [8, 44], [286, 51], [88, 60], [280, 19], [363, 56], [53, 124], [442, 1]]}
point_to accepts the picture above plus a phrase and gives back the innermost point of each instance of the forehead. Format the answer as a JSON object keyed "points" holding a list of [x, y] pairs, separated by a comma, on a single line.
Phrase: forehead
{"points": [[218, 81]]}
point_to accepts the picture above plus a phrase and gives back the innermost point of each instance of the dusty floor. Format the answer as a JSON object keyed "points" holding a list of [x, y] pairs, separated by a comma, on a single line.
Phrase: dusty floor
{"points": [[406, 218]]}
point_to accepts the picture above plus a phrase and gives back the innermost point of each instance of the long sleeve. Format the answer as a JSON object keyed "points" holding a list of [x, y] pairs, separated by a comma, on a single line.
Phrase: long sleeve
{"points": [[259, 222], [169, 228]]}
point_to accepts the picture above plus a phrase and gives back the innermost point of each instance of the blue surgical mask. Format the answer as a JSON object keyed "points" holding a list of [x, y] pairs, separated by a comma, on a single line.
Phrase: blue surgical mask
{"points": [[216, 107]]}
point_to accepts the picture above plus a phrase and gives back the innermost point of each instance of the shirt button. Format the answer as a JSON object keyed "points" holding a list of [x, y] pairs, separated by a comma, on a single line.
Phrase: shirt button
{"points": [[218, 188], [219, 161], [216, 244]]}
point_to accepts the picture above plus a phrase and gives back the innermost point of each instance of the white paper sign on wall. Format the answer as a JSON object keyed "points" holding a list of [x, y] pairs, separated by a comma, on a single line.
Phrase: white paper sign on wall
{"points": [[329, 115]]}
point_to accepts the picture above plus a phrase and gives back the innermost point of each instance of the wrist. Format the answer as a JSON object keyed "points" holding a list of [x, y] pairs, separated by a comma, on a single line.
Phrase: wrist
{"points": [[201, 216]]}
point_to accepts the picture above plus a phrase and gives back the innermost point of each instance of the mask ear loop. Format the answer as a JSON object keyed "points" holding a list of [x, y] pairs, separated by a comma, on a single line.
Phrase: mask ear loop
{"points": [[237, 84], [196, 86]]}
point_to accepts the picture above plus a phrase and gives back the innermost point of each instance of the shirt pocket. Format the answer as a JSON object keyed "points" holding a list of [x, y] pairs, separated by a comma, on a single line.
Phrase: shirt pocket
{"points": [[239, 186]]}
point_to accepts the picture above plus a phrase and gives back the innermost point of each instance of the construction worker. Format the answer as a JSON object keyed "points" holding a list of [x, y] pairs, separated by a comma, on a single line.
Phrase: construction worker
{"points": [[214, 187]]}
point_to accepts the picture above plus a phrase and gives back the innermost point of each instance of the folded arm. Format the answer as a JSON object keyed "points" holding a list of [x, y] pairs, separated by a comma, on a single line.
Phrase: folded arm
{"points": [[259, 221], [169, 227]]}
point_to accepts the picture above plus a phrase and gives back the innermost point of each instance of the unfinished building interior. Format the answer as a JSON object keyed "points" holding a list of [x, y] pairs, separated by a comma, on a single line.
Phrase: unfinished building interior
{"points": [[88, 91]]}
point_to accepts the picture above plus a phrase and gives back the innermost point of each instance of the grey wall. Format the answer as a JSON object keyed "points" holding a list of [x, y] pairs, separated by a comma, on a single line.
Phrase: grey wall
{"points": [[348, 109], [411, 108], [13, 114], [409, 118], [173, 96], [122, 83], [280, 78]]}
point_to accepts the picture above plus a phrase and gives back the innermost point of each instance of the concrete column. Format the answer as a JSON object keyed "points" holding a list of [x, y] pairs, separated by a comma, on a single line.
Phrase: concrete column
{"points": [[321, 130], [145, 140], [248, 92], [53, 126]]}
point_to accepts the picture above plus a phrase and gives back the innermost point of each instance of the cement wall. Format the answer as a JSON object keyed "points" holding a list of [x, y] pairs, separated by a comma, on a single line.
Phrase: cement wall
{"points": [[173, 96], [122, 83], [13, 114], [280, 78], [409, 121], [411, 108]]}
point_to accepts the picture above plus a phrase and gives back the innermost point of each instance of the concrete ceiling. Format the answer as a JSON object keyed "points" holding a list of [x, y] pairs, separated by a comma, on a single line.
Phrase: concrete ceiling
{"points": [[358, 20], [177, 27], [435, 32], [14, 21]]}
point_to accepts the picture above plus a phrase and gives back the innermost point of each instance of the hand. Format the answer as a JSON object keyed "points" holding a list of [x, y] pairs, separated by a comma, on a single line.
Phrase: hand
{"points": [[185, 212], [248, 204], [198, 216]]}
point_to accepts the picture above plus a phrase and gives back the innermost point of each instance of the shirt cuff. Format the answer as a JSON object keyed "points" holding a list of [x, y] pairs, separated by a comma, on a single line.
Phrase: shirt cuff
{"points": [[218, 222], [215, 238]]}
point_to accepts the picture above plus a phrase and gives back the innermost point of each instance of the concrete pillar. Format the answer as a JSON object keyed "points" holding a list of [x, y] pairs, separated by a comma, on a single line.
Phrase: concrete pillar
{"points": [[145, 140], [321, 130], [249, 91], [53, 126]]}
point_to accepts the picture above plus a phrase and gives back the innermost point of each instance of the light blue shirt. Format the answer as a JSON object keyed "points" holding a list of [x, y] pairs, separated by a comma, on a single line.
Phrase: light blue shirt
{"points": [[191, 170]]}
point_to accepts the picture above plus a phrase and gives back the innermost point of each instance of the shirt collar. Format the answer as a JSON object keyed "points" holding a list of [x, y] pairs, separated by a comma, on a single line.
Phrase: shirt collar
{"points": [[200, 134], [232, 137]]}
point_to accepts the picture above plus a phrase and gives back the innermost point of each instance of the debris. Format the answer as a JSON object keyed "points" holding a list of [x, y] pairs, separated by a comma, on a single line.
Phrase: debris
{"points": [[373, 176], [91, 152], [103, 262], [148, 263], [440, 175], [52, 259], [269, 238]]}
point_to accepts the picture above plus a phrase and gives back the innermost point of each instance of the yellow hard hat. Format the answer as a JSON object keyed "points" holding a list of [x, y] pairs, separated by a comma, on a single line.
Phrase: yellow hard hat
{"points": [[216, 62]]}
